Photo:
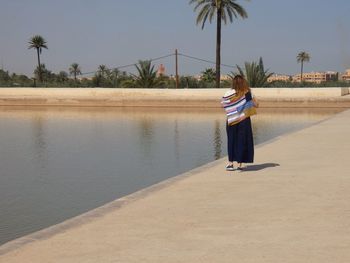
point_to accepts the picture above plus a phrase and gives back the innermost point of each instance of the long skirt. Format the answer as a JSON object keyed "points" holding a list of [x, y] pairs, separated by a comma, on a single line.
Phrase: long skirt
{"points": [[240, 144]]}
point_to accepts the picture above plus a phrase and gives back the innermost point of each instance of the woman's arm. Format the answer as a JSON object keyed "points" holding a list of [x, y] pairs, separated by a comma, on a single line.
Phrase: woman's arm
{"points": [[256, 102]]}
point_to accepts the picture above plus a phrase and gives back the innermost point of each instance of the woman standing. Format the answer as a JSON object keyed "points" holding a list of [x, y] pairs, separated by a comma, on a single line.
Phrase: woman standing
{"points": [[239, 106]]}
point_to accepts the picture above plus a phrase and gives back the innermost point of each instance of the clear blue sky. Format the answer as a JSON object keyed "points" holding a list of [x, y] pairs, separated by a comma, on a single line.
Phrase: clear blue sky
{"points": [[116, 32]]}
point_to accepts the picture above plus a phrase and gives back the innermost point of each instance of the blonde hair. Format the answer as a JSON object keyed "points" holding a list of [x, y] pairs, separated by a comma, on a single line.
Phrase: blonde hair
{"points": [[240, 85]]}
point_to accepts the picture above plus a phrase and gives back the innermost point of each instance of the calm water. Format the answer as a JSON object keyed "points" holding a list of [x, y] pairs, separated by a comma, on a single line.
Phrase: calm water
{"points": [[58, 163]]}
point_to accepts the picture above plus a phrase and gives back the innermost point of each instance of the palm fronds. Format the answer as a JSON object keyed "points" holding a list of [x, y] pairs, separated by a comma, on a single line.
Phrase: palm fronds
{"points": [[254, 73], [37, 42], [147, 76]]}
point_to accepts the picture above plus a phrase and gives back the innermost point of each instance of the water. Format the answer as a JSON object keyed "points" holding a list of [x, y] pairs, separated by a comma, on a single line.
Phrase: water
{"points": [[57, 163]]}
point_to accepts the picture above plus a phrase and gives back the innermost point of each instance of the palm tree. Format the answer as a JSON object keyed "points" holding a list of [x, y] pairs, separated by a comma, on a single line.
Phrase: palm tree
{"points": [[75, 70], [38, 42], [224, 10], [254, 73], [147, 77], [102, 69], [114, 76], [301, 57], [42, 73], [208, 75]]}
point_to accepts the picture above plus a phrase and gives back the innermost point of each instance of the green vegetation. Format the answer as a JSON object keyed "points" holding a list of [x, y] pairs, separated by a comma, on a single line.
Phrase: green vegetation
{"points": [[116, 79], [301, 58], [75, 70], [147, 76], [254, 73], [38, 42], [224, 10], [208, 75], [14, 80]]}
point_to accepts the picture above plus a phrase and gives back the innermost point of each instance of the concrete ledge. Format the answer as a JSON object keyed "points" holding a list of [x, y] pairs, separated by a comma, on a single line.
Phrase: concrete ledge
{"points": [[301, 93], [104, 97]]}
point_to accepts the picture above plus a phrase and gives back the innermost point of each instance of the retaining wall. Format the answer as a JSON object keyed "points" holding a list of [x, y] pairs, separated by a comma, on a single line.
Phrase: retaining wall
{"points": [[269, 97]]}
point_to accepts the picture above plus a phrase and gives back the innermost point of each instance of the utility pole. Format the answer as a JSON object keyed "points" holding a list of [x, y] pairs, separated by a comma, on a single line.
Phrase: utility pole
{"points": [[176, 70]]}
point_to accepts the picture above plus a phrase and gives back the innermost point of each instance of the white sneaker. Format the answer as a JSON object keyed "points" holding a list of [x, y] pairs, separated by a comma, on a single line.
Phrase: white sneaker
{"points": [[230, 167]]}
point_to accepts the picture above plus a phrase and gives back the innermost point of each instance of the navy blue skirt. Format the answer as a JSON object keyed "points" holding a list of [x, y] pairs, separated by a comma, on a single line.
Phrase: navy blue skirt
{"points": [[240, 144]]}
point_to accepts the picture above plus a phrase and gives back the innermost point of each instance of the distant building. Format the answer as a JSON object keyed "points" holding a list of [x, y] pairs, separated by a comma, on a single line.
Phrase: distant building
{"points": [[161, 70], [222, 77], [79, 77], [346, 75], [279, 77], [225, 77], [197, 77], [316, 77]]}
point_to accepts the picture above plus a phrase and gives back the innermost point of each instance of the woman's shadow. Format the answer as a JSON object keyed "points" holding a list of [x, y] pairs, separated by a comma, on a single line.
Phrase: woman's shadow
{"points": [[258, 167]]}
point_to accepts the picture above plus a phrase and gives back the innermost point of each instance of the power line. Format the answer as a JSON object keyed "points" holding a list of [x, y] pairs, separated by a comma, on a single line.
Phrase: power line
{"points": [[204, 60], [130, 65], [162, 57], [173, 54]]}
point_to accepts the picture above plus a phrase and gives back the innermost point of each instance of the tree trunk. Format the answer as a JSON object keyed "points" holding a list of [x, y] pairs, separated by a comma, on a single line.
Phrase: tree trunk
{"points": [[301, 72], [39, 65], [218, 45]]}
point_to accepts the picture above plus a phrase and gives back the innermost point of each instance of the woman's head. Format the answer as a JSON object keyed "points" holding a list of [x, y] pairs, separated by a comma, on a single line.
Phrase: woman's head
{"points": [[240, 85]]}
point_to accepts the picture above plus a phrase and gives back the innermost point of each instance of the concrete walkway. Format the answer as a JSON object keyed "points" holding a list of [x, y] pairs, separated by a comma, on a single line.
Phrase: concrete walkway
{"points": [[292, 205]]}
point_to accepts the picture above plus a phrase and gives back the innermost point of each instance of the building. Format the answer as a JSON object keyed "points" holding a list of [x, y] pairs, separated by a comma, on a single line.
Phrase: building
{"points": [[161, 70], [279, 77], [226, 77], [316, 77], [346, 75], [222, 77]]}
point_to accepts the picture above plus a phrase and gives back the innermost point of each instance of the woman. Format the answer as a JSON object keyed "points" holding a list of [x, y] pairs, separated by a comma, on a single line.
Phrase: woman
{"points": [[239, 106]]}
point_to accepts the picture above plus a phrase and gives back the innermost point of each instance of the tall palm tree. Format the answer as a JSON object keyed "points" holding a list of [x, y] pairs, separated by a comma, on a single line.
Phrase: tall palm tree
{"points": [[38, 42], [224, 10], [301, 57], [75, 70]]}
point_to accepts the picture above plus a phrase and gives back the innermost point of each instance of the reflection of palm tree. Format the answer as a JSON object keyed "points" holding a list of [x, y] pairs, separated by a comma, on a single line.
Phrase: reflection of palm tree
{"points": [[39, 142], [224, 10], [176, 140], [217, 140], [147, 134]]}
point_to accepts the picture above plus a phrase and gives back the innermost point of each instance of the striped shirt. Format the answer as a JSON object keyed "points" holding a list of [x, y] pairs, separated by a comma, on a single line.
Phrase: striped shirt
{"points": [[237, 108]]}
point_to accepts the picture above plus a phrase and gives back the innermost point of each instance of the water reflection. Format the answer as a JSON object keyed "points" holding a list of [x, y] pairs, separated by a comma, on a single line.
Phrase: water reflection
{"points": [[56, 163], [40, 145], [217, 140], [176, 141], [146, 136]]}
